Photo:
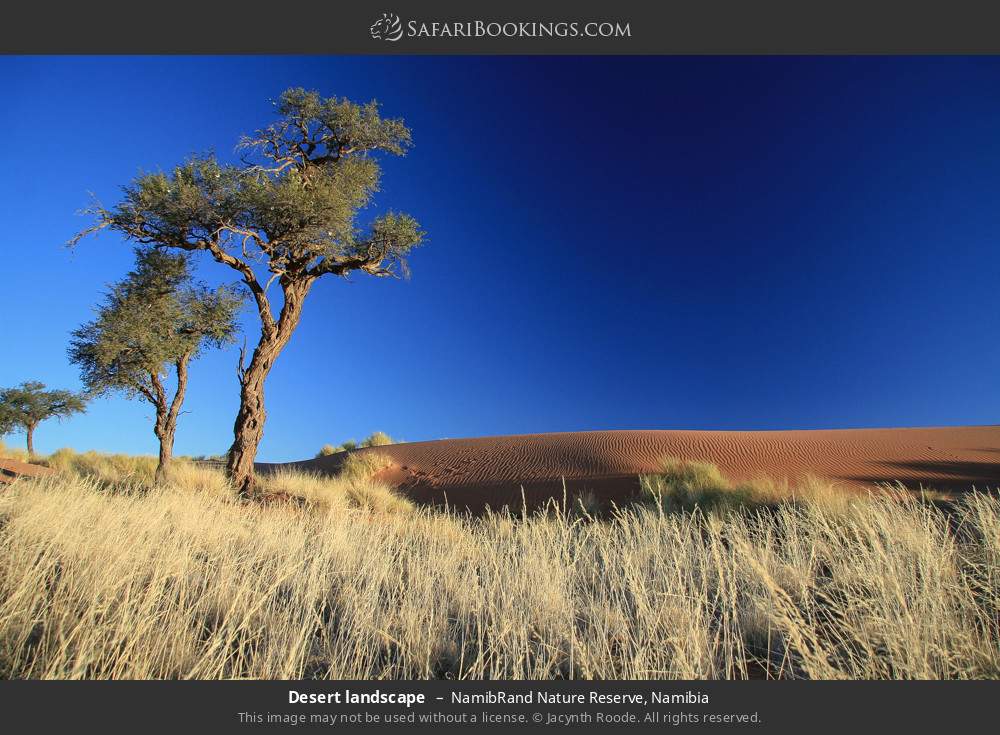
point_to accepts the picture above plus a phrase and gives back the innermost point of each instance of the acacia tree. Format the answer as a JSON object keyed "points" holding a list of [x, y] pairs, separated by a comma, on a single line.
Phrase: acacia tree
{"points": [[27, 405], [154, 321], [287, 214]]}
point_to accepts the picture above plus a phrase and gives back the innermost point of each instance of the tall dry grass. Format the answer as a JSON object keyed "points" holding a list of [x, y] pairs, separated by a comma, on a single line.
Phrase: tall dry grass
{"points": [[183, 581], [109, 470], [9, 452], [685, 485], [354, 488]]}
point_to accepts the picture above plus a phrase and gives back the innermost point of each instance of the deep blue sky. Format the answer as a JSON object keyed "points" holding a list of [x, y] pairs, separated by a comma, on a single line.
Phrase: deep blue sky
{"points": [[614, 243]]}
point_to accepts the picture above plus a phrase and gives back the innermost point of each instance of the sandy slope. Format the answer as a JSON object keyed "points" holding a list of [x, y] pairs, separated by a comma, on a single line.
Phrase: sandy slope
{"points": [[471, 472], [11, 469]]}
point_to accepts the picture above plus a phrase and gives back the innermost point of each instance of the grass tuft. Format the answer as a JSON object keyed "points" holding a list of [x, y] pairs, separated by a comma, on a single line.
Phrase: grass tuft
{"points": [[684, 485], [363, 465], [376, 439]]}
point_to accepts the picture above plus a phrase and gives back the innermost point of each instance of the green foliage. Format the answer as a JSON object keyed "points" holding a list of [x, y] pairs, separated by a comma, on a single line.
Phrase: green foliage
{"points": [[338, 123], [7, 423], [24, 407], [291, 203], [156, 317]]}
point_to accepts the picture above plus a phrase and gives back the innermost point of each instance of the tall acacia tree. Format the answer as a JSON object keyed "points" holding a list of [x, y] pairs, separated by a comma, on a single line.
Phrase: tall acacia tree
{"points": [[153, 322], [27, 405], [287, 214]]}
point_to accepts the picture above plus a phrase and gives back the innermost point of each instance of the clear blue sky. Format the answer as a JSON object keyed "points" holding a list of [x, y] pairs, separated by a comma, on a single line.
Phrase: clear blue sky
{"points": [[614, 243]]}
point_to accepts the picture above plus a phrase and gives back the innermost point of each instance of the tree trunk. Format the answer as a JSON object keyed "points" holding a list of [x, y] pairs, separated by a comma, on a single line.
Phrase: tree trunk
{"points": [[30, 433], [166, 452], [249, 427], [166, 416]]}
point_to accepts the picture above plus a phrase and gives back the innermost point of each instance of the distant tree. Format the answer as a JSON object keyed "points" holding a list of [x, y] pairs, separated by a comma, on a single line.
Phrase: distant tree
{"points": [[27, 405], [153, 322], [286, 214]]}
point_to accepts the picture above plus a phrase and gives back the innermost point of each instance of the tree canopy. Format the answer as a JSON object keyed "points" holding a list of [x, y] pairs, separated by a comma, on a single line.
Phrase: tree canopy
{"points": [[155, 320], [291, 204], [27, 405], [147, 322]]}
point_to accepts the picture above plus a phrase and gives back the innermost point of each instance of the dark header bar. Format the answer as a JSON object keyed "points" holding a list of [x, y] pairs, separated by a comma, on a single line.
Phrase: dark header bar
{"points": [[510, 27]]}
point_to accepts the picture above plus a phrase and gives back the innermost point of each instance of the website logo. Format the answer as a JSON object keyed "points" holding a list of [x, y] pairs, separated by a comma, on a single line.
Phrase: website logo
{"points": [[387, 28]]}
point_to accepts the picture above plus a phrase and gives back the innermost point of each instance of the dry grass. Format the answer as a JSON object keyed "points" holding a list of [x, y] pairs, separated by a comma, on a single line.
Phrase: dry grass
{"points": [[378, 439], [354, 487], [684, 485], [375, 439], [7, 452], [345, 492], [183, 581], [363, 465], [108, 470]]}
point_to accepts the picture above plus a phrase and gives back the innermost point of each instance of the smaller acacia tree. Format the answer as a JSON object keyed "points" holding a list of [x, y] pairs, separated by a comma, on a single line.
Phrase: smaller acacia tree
{"points": [[154, 321], [27, 405]]}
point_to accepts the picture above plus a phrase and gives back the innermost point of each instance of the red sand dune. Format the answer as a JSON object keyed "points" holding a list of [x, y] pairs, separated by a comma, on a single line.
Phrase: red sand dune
{"points": [[11, 469], [492, 470]]}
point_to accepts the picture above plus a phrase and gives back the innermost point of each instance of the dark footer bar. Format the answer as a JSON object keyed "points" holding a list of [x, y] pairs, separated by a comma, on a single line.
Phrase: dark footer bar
{"points": [[221, 707]]}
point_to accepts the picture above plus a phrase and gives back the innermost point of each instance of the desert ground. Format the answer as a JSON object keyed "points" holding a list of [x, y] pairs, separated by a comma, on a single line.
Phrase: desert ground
{"points": [[473, 473], [11, 469], [735, 555]]}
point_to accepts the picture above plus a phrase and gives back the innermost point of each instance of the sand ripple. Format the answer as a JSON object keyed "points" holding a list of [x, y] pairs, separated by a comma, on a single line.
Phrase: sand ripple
{"points": [[494, 469]]}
